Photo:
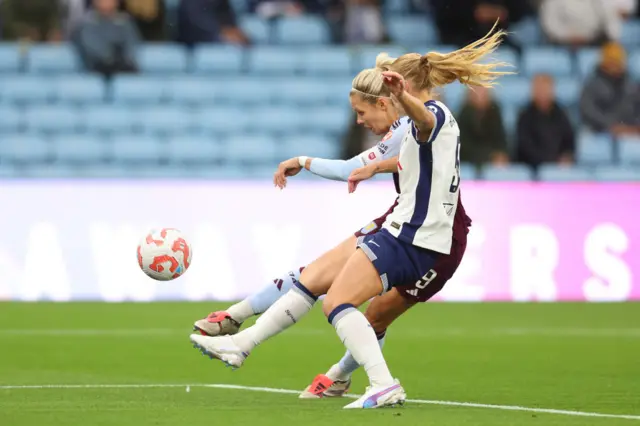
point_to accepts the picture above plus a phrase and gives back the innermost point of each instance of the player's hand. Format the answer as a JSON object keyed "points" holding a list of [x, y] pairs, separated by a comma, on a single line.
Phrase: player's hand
{"points": [[395, 82], [358, 175], [291, 167]]}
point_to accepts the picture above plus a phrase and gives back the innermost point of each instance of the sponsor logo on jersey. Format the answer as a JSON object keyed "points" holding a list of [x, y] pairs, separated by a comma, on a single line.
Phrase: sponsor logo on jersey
{"points": [[370, 227], [383, 148], [372, 155], [395, 225], [413, 292], [387, 137]]}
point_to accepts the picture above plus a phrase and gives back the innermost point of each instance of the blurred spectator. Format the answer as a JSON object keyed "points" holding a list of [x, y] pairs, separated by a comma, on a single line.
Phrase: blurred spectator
{"points": [[107, 39], [610, 99], [208, 21], [31, 20], [545, 134], [149, 16], [626, 8], [580, 22], [463, 21], [481, 129], [363, 22]]}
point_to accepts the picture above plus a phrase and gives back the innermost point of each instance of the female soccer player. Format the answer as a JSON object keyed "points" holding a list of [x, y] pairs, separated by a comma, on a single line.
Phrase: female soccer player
{"points": [[413, 237]]}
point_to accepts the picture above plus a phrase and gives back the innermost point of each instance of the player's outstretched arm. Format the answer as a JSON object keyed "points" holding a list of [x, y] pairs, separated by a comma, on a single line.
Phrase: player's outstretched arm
{"points": [[328, 169], [423, 119]]}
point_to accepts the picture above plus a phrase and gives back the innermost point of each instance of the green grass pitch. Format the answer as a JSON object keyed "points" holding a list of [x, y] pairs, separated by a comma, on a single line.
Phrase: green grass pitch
{"points": [[578, 357]]}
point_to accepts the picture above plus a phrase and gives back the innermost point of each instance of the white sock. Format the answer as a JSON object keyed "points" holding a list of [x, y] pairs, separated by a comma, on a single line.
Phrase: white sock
{"points": [[360, 339], [285, 312], [241, 311], [347, 365]]}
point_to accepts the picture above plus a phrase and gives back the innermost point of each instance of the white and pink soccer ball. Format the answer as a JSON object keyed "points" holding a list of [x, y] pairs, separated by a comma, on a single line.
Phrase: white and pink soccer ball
{"points": [[164, 254]]}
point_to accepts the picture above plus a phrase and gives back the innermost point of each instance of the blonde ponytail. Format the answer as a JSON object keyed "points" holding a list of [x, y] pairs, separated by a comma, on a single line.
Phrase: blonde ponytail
{"points": [[436, 69]]}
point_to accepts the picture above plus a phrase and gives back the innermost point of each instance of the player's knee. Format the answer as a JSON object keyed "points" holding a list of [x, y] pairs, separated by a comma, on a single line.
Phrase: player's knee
{"points": [[378, 322], [328, 305]]}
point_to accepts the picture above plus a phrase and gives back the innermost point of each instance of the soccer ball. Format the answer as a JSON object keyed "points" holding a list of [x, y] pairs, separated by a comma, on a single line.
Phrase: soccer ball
{"points": [[164, 254]]}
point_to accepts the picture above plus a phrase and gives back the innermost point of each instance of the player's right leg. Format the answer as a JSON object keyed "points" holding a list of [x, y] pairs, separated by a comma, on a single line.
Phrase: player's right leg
{"points": [[320, 272]]}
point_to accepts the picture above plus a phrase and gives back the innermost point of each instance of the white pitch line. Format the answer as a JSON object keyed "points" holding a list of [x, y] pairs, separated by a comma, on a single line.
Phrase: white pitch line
{"points": [[295, 392]]}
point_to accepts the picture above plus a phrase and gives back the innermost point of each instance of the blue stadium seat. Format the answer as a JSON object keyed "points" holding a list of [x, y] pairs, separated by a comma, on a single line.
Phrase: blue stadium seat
{"points": [[527, 32], [163, 58], [209, 59], [594, 149], [79, 89], [189, 90], [24, 149], [219, 122], [336, 91], [468, 172], [454, 96], [588, 59], [10, 58], [300, 91], [54, 171], [194, 150], [58, 120], [248, 91], [138, 90], [515, 172], [277, 120], [629, 150], [47, 59], [399, 7], [634, 64], [257, 29], [549, 60], [305, 29], [327, 120], [25, 90], [327, 60], [240, 7], [631, 33], [555, 173], [617, 174], [138, 150], [11, 119], [365, 56], [274, 60], [510, 121], [310, 145], [83, 149], [412, 30], [513, 92], [255, 149], [507, 55], [568, 91], [227, 171], [162, 121], [110, 120], [9, 171]]}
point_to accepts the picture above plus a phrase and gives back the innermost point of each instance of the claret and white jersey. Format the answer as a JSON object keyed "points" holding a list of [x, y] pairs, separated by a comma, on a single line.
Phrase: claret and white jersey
{"points": [[429, 178]]}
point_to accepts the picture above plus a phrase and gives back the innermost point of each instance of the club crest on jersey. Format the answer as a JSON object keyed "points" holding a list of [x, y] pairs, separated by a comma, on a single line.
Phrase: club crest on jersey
{"points": [[370, 227]]}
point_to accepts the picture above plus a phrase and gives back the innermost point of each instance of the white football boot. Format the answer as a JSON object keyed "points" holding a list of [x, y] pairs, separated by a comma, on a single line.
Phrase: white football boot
{"points": [[220, 347], [381, 396], [323, 386], [217, 324]]}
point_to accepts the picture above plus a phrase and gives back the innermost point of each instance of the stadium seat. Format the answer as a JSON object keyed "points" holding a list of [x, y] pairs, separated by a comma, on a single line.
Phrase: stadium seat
{"points": [[513, 92], [274, 60], [588, 59], [310, 145], [568, 91], [327, 120], [197, 150], [138, 90], [324, 61], [209, 59], [25, 90], [138, 150], [53, 171], [163, 121], [79, 89], [365, 56], [411, 29], [515, 172], [47, 59], [396, 7], [631, 33], [248, 91], [10, 58], [79, 149], [228, 171], [163, 58], [277, 120], [9, 171], [594, 148], [188, 90], [253, 150], [634, 64], [219, 122], [58, 120], [468, 172], [527, 32], [24, 149], [11, 119], [257, 29], [454, 96], [305, 29], [110, 120], [510, 122], [617, 174], [555, 173], [507, 55], [629, 150], [549, 60]]}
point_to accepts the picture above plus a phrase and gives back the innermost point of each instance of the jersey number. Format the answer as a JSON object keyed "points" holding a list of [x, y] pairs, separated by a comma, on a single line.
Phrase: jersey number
{"points": [[455, 182], [426, 279]]}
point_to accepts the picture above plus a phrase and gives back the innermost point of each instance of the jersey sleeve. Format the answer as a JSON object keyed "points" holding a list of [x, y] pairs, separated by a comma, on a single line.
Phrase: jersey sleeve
{"points": [[389, 146], [440, 116], [335, 169]]}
